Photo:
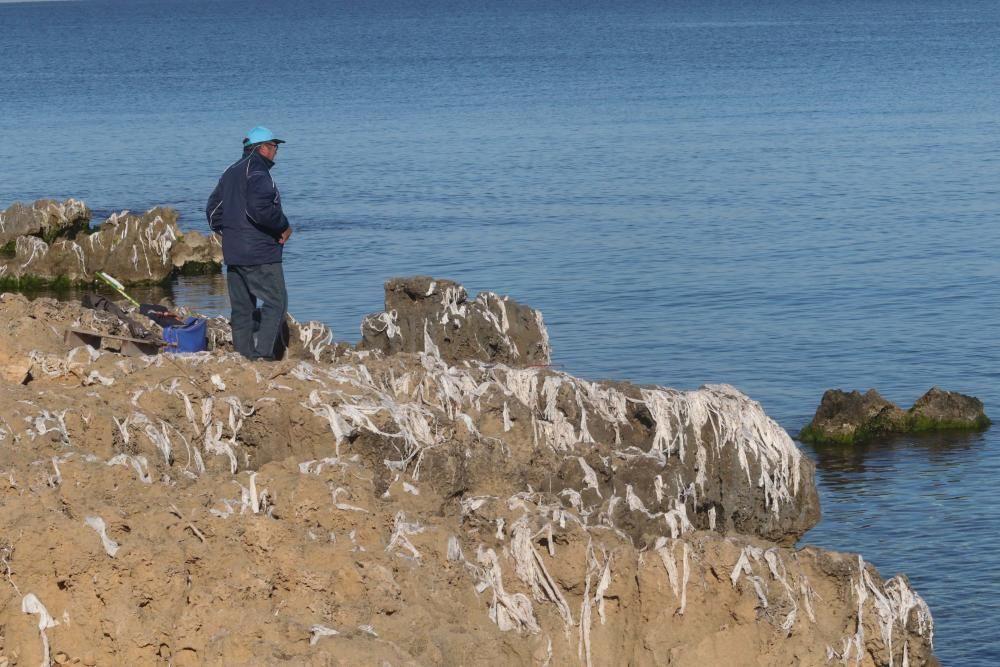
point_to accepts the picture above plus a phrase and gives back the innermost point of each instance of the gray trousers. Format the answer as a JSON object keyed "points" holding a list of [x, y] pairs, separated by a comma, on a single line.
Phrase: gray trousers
{"points": [[247, 284]]}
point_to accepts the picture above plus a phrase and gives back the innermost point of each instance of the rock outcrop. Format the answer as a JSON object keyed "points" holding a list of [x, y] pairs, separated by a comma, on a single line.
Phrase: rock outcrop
{"points": [[46, 219], [939, 410], [53, 244], [846, 418], [427, 315], [343, 507]]}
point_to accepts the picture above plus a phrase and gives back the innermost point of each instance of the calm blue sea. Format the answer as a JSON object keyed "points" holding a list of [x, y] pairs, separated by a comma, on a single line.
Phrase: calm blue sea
{"points": [[784, 195]]}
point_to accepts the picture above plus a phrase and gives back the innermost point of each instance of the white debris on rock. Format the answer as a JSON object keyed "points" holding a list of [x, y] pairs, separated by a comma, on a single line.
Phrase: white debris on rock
{"points": [[315, 337], [677, 520], [97, 523], [315, 466], [138, 463], [217, 382], [30, 604], [95, 377], [400, 536], [744, 567], [455, 549], [430, 348], [41, 425], [896, 608], [414, 406], [508, 611], [389, 322], [590, 477], [251, 500], [531, 570], [664, 549], [734, 420], [317, 632], [344, 506]]}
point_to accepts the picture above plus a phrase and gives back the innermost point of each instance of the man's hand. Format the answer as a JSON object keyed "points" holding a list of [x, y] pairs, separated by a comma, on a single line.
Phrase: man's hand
{"points": [[284, 235]]}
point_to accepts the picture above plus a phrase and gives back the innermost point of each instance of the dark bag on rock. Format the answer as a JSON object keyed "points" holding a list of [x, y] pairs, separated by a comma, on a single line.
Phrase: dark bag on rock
{"points": [[97, 302]]}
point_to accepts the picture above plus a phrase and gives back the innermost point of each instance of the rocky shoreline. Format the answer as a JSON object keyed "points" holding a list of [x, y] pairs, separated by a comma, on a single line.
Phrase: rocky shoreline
{"points": [[439, 495]]}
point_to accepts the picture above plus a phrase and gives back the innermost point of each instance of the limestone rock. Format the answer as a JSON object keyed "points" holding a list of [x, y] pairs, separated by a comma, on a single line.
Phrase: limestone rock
{"points": [[14, 367], [424, 314], [343, 507], [46, 218], [195, 252], [942, 410], [145, 248]]}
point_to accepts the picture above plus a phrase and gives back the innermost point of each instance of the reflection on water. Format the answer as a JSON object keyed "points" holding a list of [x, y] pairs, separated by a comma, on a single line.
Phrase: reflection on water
{"points": [[841, 463], [205, 294], [926, 501]]}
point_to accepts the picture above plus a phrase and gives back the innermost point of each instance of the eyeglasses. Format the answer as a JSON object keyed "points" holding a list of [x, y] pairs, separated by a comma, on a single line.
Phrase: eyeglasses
{"points": [[272, 145]]}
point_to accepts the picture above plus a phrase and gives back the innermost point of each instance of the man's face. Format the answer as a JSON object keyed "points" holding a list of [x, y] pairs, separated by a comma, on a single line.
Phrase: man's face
{"points": [[269, 150]]}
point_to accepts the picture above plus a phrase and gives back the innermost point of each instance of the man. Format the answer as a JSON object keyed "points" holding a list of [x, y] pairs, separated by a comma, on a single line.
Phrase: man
{"points": [[245, 208]]}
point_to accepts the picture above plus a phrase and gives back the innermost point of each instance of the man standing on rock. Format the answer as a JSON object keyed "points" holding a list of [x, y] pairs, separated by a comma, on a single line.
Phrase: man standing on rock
{"points": [[245, 209]]}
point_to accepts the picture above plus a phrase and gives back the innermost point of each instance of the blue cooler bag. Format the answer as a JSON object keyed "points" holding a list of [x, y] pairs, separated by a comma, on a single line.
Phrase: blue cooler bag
{"points": [[188, 337]]}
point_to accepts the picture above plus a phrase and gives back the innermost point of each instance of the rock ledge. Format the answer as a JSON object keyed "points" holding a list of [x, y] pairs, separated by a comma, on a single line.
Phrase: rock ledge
{"points": [[347, 507]]}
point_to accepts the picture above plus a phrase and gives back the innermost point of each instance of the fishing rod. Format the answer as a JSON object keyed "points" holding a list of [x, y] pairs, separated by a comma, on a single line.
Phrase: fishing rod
{"points": [[117, 286]]}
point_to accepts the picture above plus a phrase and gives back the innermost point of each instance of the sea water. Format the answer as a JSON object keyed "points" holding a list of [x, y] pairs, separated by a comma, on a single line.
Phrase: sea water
{"points": [[782, 195]]}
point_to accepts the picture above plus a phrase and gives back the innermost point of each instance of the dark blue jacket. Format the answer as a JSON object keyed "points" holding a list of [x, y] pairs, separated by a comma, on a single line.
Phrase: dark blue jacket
{"points": [[245, 208]]}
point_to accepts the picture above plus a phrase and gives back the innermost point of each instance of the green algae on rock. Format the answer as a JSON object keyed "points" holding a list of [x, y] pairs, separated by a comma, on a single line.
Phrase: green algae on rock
{"points": [[852, 417], [940, 410]]}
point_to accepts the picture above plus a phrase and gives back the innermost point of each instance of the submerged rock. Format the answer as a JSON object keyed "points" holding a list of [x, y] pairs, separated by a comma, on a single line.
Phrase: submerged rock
{"points": [[424, 314], [344, 507], [59, 247], [939, 410], [845, 418]]}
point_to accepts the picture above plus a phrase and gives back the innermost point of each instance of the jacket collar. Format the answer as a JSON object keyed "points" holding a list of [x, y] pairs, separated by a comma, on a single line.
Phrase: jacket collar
{"points": [[257, 157]]}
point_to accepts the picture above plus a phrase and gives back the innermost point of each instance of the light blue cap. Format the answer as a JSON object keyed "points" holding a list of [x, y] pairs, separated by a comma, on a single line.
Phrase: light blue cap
{"points": [[260, 135]]}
